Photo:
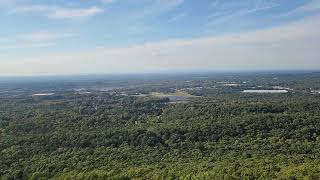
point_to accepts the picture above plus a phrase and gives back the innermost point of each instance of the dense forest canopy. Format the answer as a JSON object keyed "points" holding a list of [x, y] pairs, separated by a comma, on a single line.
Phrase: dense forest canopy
{"points": [[117, 129]]}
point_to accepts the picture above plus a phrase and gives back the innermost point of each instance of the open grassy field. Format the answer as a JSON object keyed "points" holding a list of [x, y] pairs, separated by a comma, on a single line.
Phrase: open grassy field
{"points": [[177, 93]]}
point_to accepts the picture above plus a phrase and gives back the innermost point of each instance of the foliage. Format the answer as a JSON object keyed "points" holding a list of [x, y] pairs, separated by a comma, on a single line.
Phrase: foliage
{"points": [[108, 136]]}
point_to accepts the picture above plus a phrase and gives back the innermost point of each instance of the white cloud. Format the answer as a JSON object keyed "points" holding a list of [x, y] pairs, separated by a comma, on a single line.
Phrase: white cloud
{"points": [[257, 9], [45, 37], [144, 8], [25, 45], [75, 14], [29, 9], [41, 39], [57, 12], [291, 46]]}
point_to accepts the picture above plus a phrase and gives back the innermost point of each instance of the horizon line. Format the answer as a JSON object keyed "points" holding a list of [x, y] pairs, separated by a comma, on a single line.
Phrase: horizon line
{"points": [[167, 73]]}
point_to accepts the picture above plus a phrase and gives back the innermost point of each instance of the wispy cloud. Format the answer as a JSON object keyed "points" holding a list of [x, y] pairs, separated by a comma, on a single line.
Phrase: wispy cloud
{"points": [[75, 14], [57, 12], [220, 5], [223, 10], [272, 48], [41, 39], [310, 7], [131, 22], [257, 9], [150, 8], [29, 9], [23, 45], [45, 37]]}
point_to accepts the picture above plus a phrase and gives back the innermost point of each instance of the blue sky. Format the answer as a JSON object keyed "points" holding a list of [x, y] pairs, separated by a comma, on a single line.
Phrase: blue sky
{"points": [[121, 36]]}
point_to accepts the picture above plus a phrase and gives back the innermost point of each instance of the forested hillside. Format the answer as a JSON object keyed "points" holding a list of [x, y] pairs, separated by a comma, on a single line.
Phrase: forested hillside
{"points": [[110, 136]]}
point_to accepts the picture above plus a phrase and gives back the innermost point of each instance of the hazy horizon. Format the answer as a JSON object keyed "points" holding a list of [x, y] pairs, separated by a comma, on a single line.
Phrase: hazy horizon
{"points": [[165, 73]]}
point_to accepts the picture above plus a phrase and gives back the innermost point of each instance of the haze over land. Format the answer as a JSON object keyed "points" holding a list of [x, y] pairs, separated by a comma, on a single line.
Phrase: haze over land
{"points": [[125, 36]]}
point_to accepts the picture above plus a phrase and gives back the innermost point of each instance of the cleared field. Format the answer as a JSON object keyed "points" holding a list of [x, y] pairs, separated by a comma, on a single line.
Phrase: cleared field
{"points": [[178, 94], [177, 97]]}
